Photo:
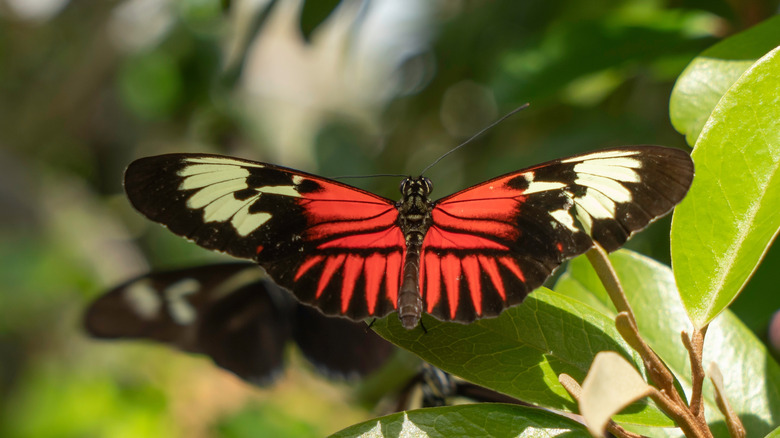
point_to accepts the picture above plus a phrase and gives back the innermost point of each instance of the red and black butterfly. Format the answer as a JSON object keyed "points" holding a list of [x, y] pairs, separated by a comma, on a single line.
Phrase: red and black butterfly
{"points": [[235, 314], [352, 253]]}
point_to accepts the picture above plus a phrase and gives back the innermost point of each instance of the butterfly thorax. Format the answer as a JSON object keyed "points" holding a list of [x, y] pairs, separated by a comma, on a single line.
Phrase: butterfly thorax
{"points": [[414, 219]]}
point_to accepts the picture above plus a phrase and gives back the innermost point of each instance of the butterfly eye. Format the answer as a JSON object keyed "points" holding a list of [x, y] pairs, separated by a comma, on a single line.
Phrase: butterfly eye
{"points": [[404, 185], [428, 185]]}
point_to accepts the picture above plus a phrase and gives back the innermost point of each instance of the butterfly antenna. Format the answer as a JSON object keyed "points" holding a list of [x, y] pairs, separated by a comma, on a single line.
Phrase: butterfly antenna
{"points": [[511, 113]]}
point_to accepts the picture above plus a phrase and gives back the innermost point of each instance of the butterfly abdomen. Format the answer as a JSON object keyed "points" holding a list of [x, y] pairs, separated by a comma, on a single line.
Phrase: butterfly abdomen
{"points": [[414, 219]]}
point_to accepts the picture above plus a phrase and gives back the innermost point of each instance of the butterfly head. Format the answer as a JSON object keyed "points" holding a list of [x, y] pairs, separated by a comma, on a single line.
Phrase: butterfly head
{"points": [[420, 186]]}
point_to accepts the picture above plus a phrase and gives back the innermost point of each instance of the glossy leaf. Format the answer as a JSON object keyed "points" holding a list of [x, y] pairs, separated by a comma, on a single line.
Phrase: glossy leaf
{"points": [[709, 76], [522, 352], [751, 376], [484, 420], [722, 230]]}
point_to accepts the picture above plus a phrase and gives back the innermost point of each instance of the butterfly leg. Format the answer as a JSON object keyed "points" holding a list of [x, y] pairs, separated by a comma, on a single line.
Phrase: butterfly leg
{"points": [[370, 324]]}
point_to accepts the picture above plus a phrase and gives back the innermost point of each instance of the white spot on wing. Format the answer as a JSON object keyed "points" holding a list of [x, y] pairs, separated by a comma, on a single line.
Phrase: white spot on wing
{"points": [[564, 217], [543, 186], [182, 311], [621, 169], [222, 161], [584, 218], [143, 299], [209, 194], [601, 154], [201, 175], [609, 187], [215, 180], [604, 201], [224, 208], [593, 206], [245, 222], [280, 190]]}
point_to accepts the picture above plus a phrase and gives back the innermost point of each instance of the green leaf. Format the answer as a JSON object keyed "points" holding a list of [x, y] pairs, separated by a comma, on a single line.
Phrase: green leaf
{"points": [[723, 228], [484, 420], [751, 376], [709, 76], [774, 434], [522, 352]]}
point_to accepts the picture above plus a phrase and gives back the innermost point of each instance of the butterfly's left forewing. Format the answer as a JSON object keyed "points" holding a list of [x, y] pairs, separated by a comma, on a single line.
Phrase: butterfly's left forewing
{"points": [[334, 246], [492, 244]]}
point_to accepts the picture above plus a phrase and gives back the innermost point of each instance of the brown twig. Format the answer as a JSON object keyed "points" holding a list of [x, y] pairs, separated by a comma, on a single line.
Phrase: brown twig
{"points": [[736, 429], [658, 372], [681, 415], [695, 345], [599, 259], [665, 395]]}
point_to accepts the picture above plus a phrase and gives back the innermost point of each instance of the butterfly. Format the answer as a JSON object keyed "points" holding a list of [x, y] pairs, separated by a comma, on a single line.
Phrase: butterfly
{"points": [[433, 387], [352, 253], [235, 314]]}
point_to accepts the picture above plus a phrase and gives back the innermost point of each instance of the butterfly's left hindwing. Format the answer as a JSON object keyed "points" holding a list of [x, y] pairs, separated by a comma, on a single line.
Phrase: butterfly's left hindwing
{"points": [[334, 246]]}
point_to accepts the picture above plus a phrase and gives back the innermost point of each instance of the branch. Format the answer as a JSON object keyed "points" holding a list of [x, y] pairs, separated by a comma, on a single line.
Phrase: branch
{"points": [[695, 345], [691, 421]]}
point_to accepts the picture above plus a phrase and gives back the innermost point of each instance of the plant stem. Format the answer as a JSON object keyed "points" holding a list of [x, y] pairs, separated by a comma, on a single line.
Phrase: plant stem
{"points": [[599, 259], [695, 345], [736, 429], [691, 421]]}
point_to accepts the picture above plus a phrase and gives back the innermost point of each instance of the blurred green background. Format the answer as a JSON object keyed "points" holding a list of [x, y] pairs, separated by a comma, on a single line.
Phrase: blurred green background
{"points": [[336, 88]]}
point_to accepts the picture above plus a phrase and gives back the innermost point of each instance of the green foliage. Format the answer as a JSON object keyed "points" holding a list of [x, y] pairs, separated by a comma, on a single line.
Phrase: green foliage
{"points": [[522, 352], [78, 107], [151, 85], [469, 421], [728, 216], [712, 73], [270, 419], [734, 198]]}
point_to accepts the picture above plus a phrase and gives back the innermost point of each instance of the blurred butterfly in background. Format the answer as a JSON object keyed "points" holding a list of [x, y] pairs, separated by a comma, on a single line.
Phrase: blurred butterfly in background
{"points": [[233, 313], [433, 387], [355, 254]]}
